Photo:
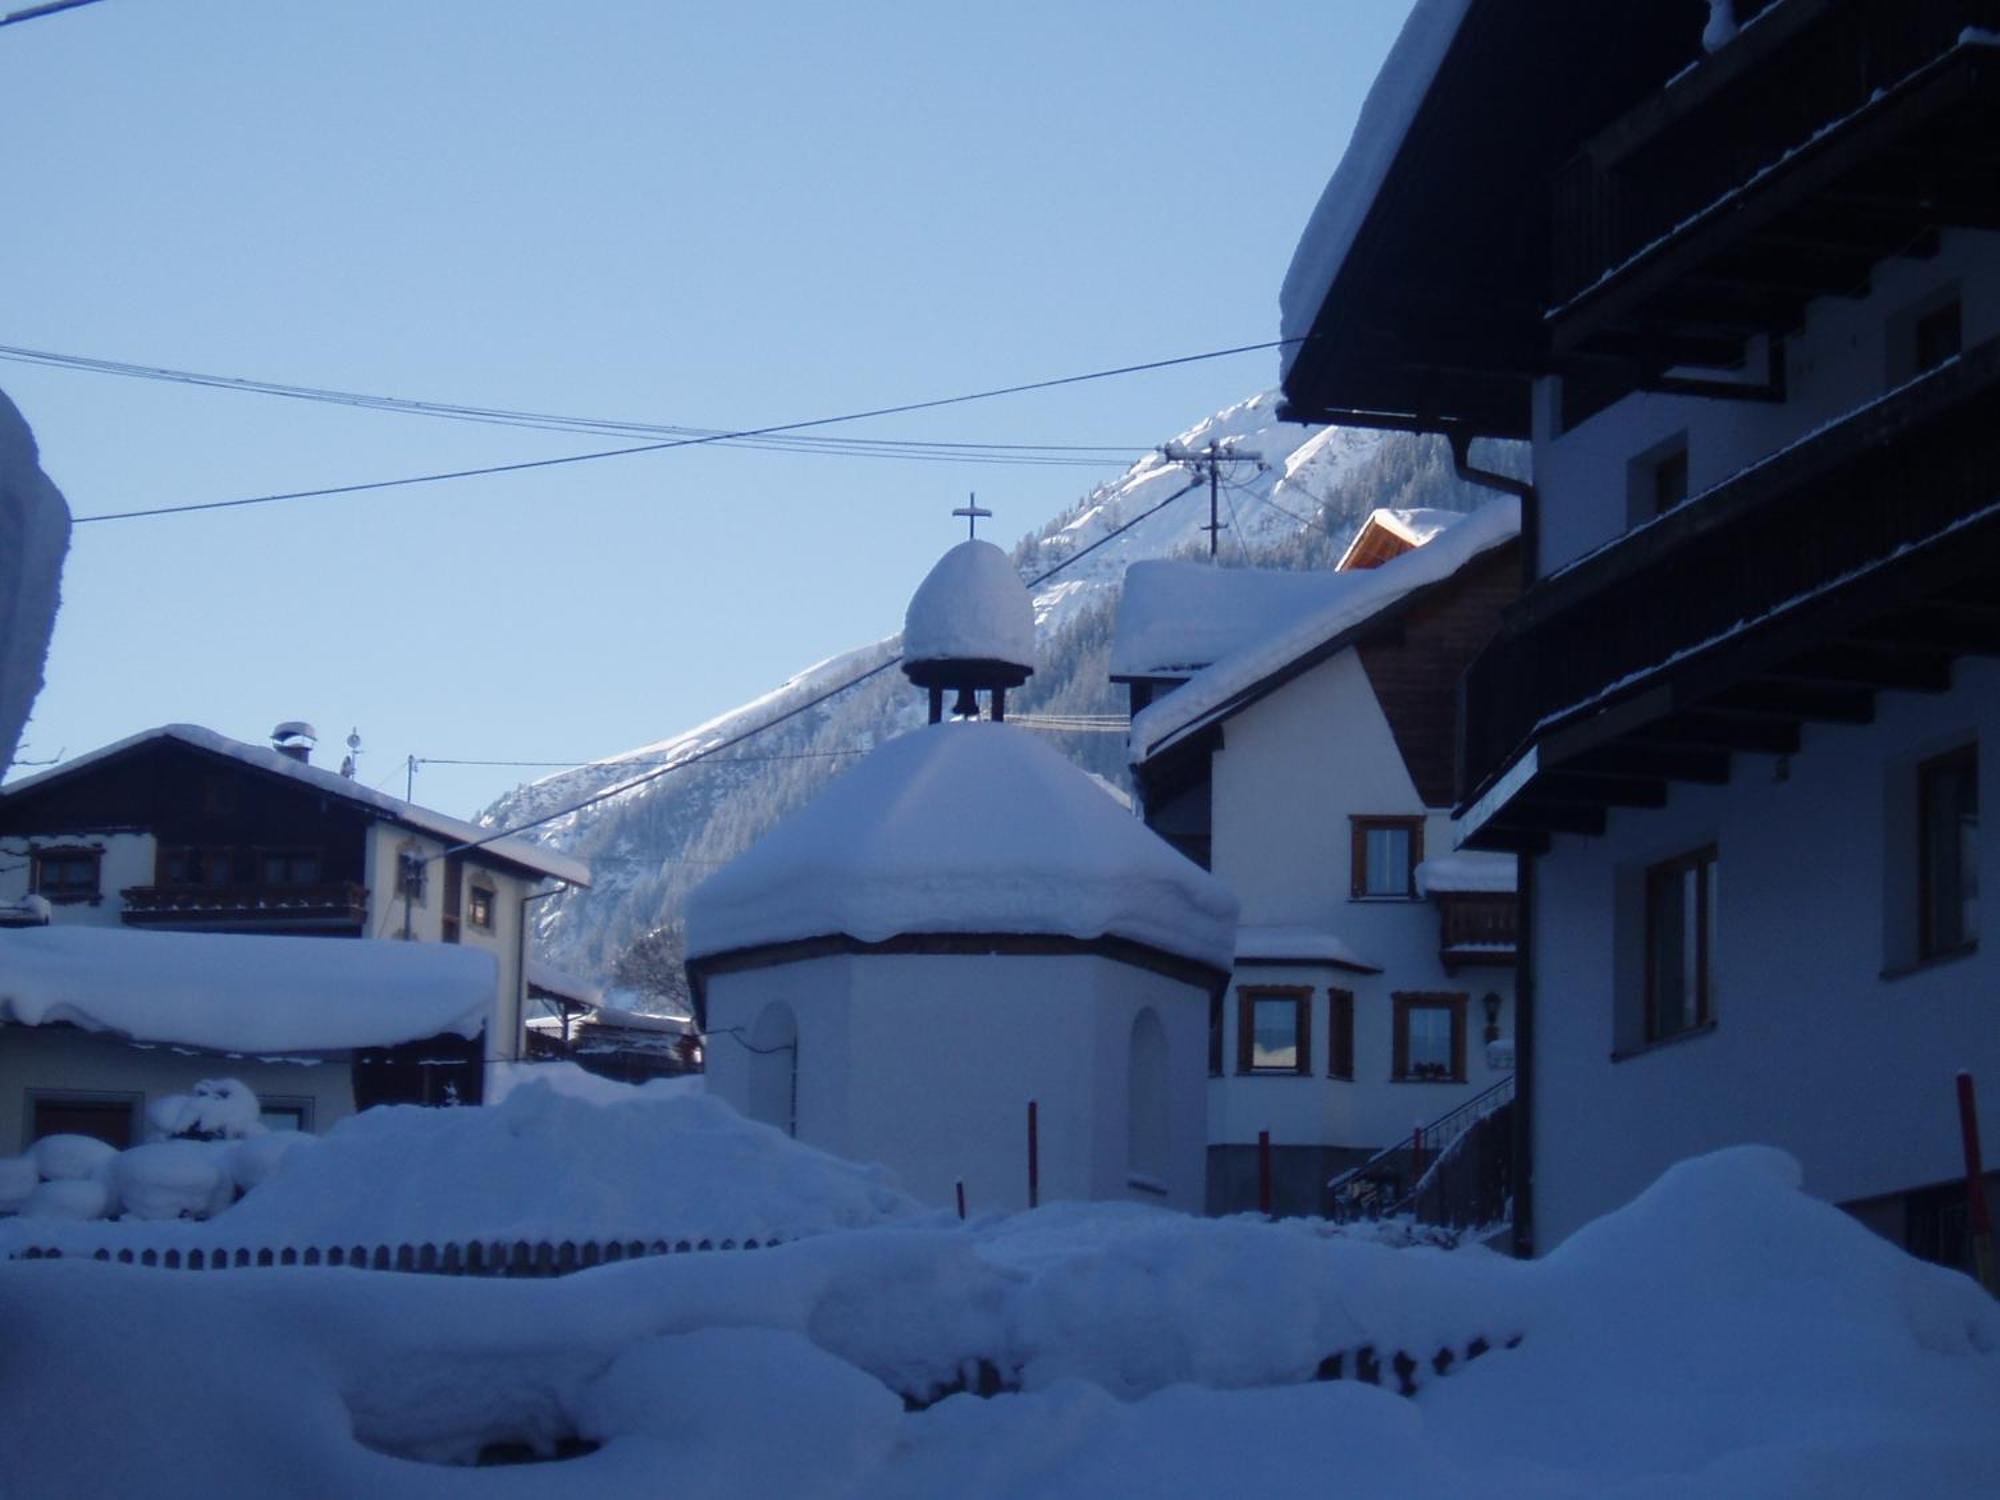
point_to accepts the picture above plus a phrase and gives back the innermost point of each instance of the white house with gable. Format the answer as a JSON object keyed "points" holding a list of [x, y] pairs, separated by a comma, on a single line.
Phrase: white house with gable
{"points": [[964, 933], [1742, 293], [1293, 732]]}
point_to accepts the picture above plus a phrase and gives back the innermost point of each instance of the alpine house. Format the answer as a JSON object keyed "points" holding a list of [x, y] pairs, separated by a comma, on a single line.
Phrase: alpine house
{"points": [[965, 932], [1735, 271]]}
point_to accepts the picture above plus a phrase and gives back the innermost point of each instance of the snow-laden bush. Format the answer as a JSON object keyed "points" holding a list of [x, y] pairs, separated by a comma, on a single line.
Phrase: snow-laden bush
{"points": [[68, 1198], [70, 1158], [219, 1109], [175, 1180]]}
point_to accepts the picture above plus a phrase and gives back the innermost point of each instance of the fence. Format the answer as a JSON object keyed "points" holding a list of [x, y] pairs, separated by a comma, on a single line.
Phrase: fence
{"points": [[454, 1258]]}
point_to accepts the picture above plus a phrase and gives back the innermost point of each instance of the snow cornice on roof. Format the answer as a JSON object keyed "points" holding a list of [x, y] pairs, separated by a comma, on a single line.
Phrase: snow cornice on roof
{"points": [[1258, 668], [513, 851]]}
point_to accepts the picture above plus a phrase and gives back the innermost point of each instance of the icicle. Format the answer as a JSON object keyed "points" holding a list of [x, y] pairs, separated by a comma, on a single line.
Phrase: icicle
{"points": [[1721, 28]]}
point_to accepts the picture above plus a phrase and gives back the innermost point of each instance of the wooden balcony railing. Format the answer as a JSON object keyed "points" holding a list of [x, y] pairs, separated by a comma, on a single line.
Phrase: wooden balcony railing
{"points": [[1782, 84], [330, 904], [1843, 518], [1477, 926]]}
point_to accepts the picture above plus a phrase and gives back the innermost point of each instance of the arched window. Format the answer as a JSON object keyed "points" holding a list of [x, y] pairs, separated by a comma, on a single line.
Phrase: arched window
{"points": [[1149, 1115], [774, 1068]]}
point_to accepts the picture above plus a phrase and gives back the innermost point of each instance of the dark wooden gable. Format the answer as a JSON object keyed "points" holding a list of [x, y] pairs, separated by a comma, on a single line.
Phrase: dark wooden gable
{"points": [[1415, 669], [187, 796]]}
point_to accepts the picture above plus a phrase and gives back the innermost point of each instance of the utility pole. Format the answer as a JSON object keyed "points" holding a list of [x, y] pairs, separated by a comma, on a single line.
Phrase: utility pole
{"points": [[1209, 461]]}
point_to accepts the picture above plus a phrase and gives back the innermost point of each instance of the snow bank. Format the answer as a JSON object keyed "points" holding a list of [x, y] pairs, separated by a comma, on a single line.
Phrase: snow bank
{"points": [[974, 828], [972, 606], [660, 1162], [1176, 617], [569, 1079], [222, 992], [1370, 591], [1723, 1335], [34, 535]]}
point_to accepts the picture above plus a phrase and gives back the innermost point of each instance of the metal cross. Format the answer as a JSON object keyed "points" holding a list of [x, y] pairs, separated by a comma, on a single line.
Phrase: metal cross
{"points": [[972, 510]]}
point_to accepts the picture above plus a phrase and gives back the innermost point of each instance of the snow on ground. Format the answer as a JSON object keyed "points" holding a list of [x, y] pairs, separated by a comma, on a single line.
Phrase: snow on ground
{"points": [[658, 1161], [1723, 1335]]}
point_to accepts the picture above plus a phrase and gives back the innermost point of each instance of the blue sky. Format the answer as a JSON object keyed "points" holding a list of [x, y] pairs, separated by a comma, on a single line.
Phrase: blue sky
{"points": [[720, 216]]}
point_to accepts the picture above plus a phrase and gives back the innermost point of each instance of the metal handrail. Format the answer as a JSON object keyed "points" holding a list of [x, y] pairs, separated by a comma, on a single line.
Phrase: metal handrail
{"points": [[1484, 1102]]}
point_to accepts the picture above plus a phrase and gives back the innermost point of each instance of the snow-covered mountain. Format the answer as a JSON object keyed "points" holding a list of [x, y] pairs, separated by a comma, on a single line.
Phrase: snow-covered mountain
{"points": [[655, 837]]}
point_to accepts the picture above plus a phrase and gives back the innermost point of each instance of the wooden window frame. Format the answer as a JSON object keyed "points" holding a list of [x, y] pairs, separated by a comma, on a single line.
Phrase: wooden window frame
{"points": [[67, 895], [1407, 1001], [1360, 826], [1216, 1011], [1247, 996], [1966, 756], [1704, 943], [131, 1101], [290, 853], [473, 893], [1340, 1034]]}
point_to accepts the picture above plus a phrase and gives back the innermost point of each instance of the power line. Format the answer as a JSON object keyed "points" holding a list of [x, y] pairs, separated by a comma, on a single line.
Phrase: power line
{"points": [[689, 442], [47, 9], [937, 451]]}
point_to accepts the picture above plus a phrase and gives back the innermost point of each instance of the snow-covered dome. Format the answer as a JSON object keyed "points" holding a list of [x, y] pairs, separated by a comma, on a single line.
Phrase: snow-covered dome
{"points": [[964, 828], [973, 608]]}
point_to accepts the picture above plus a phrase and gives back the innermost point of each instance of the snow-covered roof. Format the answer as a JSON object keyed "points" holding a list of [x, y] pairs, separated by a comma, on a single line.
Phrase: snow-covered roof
{"points": [[1177, 617], [1239, 677], [543, 975], [515, 851], [225, 992], [972, 606], [1414, 526], [1386, 116], [1302, 945], [972, 828], [1469, 870]]}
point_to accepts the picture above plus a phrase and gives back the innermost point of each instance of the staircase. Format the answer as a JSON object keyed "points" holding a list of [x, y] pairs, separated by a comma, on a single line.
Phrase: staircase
{"points": [[1456, 1172]]}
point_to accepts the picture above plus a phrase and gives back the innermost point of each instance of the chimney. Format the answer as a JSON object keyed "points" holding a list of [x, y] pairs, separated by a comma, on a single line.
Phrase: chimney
{"points": [[295, 738]]}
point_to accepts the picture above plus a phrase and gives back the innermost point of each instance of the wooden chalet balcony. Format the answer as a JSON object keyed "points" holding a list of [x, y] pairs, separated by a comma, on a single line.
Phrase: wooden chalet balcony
{"points": [[1477, 927], [1864, 557], [1828, 136], [334, 904]]}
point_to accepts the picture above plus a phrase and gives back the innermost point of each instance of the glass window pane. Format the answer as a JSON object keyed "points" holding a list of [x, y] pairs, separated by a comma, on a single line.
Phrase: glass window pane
{"points": [[1430, 1041], [1388, 851], [1949, 794], [1274, 1041]]}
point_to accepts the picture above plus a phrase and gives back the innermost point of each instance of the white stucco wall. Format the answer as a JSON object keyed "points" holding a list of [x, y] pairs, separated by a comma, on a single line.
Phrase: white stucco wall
{"points": [[60, 1058], [1840, 361], [1826, 1042], [1296, 766], [128, 859], [926, 1063]]}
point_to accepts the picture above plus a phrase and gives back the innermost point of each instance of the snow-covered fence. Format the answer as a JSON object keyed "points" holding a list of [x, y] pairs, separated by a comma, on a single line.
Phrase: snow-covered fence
{"points": [[468, 1258]]}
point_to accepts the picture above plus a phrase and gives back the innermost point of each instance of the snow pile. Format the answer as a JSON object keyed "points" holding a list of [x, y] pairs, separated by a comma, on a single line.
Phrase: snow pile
{"points": [[218, 1109], [1175, 617], [972, 606], [174, 1180], [1724, 1335], [34, 535], [1469, 870], [1371, 591], [1386, 116], [575, 1082], [661, 1162], [964, 828], [259, 996]]}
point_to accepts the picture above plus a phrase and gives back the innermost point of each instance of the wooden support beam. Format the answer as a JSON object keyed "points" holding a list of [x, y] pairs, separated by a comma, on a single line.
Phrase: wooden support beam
{"points": [[1588, 789], [1505, 838], [1935, 627], [1700, 764], [1910, 669], [1797, 700], [1756, 734], [1528, 811]]}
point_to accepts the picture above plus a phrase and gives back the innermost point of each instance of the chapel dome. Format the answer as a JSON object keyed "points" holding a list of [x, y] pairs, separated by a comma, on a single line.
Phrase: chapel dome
{"points": [[976, 828], [970, 622]]}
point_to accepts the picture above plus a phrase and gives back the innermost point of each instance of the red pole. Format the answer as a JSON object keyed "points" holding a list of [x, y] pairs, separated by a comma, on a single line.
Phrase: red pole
{"points": [[961, 1199], [1975, 1187], [1264, 1173], [1034, 1159]]}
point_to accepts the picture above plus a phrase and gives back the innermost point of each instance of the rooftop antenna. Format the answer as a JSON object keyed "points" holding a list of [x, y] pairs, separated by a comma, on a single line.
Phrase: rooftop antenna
{"points": [[972, 510], [350, 763]]}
